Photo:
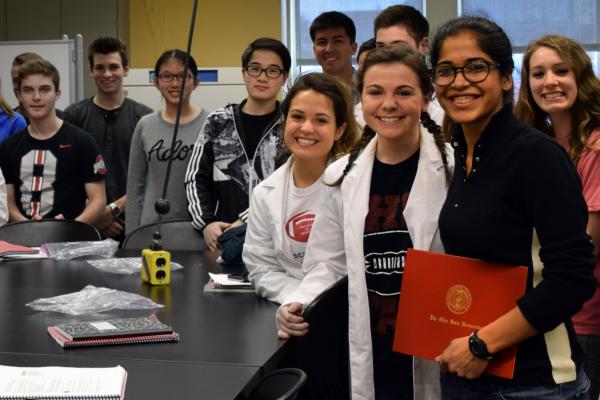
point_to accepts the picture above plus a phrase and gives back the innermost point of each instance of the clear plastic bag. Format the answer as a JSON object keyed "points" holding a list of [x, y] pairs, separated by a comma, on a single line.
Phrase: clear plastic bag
{"points": [[125, 266], [91, 300], [70, 250]]}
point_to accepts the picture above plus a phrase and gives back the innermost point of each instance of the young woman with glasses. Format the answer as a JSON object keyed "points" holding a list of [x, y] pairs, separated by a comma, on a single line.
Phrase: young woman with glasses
{"points": [[560, 95], [240, 144], [151, 144], [515, 198]]}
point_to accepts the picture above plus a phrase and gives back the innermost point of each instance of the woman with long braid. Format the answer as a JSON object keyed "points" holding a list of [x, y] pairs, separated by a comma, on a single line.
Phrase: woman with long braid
{"points": [[385, 198]]}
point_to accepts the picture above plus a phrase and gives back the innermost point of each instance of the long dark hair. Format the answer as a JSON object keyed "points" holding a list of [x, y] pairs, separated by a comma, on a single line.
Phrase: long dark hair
{"points": [[490, 38], [405, 55], [178, 55]]}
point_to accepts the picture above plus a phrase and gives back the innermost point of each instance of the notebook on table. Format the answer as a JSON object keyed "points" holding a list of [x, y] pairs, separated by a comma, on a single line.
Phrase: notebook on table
{"points": [[113, 331], [9, 250], [62, 383]]}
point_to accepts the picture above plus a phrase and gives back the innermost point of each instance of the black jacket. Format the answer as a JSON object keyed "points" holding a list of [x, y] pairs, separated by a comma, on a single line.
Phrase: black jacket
{"points": [[220, 177]]}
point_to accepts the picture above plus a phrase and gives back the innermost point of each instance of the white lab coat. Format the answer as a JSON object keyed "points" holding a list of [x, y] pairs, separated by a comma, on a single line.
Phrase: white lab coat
{"points": [[335, 248], [274, 274]]}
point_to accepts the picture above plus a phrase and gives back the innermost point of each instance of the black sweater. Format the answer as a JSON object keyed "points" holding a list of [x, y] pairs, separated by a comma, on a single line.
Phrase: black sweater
{"points": [[523, 187]]}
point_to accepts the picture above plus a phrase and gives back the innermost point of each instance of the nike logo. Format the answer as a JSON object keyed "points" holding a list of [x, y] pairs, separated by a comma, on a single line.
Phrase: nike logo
{"points": [[64, 146]]}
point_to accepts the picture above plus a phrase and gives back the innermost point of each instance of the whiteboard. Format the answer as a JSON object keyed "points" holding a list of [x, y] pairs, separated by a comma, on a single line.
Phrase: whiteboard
{"points": [[65, 54]]}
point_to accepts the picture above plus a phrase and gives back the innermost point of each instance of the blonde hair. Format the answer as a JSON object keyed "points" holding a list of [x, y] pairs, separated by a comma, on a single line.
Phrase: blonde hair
{"points": [[5, 107]]}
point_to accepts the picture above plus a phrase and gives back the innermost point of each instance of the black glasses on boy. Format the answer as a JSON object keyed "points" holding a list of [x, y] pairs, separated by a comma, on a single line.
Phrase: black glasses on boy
{"points": [[271, 71]]}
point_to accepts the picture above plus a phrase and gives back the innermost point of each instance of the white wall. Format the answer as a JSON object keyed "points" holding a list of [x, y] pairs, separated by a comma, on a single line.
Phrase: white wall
{"points": [[209, 95]]}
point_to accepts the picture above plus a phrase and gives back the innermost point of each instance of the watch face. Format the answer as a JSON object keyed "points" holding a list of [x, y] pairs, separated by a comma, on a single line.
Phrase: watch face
{"points": [[116, 211], [479, 348], [476, 346]]}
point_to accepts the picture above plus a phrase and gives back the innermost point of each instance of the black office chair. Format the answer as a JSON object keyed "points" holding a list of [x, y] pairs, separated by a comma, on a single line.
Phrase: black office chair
{"points": [[323, 353], [176, 235], [281, 384], [36, 233]]}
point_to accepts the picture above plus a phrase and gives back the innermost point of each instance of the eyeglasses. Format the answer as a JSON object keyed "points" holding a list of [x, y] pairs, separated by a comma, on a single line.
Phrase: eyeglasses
{"points": [[168, 77], [474, 72], [270, 72]]}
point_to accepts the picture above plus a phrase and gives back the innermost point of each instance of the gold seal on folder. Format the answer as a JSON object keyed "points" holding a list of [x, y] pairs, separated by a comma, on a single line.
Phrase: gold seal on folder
{"points": [[458, 299]]}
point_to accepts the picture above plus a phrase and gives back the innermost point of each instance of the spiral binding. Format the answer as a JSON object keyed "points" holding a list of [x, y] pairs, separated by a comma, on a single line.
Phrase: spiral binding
{"points": [[169, 337], [64, 342]]}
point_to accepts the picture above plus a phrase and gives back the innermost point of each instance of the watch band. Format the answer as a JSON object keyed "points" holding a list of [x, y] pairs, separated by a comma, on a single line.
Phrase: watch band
{"points": [[478, 347]]}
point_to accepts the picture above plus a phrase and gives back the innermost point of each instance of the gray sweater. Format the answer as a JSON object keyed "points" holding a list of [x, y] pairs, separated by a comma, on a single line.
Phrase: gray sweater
{"points": [[150, 147]]}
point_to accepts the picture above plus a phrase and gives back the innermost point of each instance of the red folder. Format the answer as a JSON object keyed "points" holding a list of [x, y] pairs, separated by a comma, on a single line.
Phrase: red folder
{"points": [[7, 249], [444, 297]]}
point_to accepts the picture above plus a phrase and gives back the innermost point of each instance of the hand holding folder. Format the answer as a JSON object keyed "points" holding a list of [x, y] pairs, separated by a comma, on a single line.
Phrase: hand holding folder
{"points": [[446, 297]]}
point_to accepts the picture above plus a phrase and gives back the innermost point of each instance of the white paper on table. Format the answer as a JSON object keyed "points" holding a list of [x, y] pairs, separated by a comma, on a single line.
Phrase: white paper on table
{"points": [[223, 279], [62, 381]]}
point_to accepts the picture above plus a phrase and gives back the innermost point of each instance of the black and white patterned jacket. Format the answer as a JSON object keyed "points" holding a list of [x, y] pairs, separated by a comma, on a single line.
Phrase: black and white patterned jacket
{"points": [[220, 176]]}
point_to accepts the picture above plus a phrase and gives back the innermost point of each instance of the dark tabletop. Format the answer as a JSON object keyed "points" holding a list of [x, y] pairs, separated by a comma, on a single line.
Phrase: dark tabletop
{"points": [[148, 380], [221, 329]]}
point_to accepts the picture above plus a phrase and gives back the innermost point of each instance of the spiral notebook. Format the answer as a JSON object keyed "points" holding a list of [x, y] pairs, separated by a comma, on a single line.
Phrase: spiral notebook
{"points": [[9, 250], [113, 331], [62, 383]]}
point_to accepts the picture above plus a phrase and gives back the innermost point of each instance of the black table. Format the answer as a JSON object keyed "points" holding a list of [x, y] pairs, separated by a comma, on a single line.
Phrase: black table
{"points": [[148, 379], [226, 339]]}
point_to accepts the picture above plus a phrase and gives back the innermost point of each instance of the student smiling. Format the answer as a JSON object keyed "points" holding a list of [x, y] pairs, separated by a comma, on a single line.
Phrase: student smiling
{"points": [[52, 168], [404, 24], [151, 144], [515, 199], [319, 127], [385, 198], [334, 43], [110, 117], [240, 144], [560, 95]]}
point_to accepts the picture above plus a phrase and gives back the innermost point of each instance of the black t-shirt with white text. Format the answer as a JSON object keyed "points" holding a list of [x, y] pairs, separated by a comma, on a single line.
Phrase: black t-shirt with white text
{"points": [[49, 176], [386, 240]]}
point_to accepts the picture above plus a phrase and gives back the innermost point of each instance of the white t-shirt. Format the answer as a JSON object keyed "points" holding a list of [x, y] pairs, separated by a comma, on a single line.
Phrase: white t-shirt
{"points": [[299, 213]]}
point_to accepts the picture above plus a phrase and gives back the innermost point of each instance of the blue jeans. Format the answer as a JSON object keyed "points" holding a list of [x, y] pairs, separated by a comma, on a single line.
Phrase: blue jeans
{"points": [[455, 388], [591, 362]]}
